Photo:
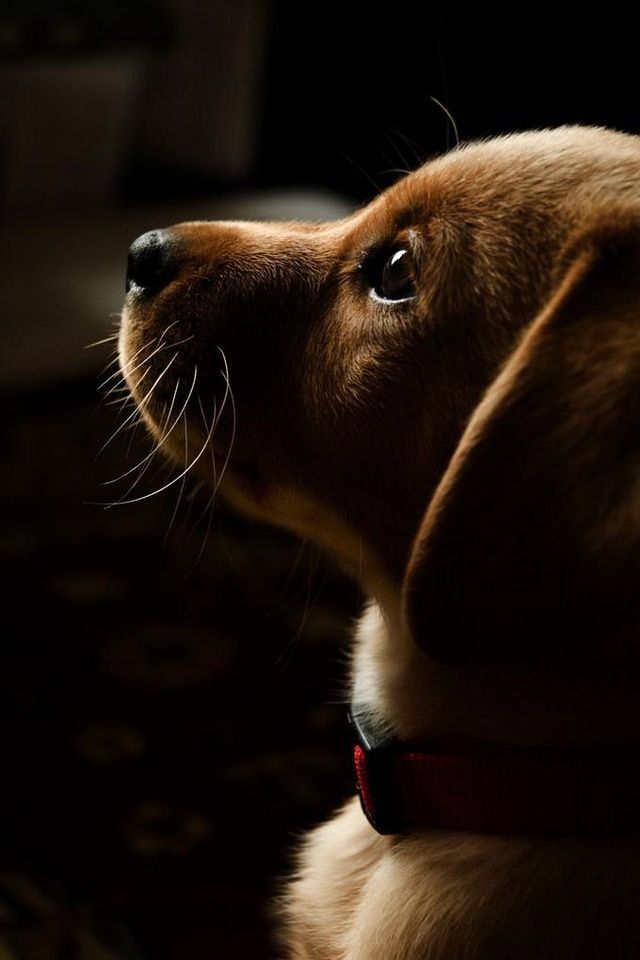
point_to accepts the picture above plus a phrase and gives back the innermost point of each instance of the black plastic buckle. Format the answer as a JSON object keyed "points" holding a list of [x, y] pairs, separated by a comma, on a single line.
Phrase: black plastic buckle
{"points": [[379, 754]]}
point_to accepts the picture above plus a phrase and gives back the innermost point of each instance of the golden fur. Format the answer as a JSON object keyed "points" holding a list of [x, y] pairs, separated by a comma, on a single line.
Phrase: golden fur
{"points": [[472, 454]]}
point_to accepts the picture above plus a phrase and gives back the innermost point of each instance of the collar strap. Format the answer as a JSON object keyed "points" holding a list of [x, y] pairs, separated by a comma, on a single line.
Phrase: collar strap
{"points": [[516, 791]]}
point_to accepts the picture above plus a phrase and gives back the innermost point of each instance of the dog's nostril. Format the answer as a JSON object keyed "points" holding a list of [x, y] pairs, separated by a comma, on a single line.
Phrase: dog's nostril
{"points": [[151, 264]]}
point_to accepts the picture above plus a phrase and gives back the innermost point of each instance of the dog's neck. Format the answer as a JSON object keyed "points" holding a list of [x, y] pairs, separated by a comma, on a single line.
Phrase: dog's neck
{"points": [[412, 697]]}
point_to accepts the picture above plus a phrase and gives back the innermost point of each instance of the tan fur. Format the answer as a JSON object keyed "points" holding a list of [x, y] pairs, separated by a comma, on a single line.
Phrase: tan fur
{"points": [[473, 456]]}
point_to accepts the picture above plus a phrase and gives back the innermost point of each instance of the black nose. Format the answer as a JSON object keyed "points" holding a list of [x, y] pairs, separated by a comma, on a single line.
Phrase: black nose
{"points": [[151, 263]]}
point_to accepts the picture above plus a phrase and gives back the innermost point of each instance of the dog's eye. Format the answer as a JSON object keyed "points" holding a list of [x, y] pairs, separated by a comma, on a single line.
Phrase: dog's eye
{"points": [[395, 278]]}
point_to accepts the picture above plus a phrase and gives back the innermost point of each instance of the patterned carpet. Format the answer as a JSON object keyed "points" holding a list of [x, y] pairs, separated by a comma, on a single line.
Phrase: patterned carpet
{"points": [[170, 725]]}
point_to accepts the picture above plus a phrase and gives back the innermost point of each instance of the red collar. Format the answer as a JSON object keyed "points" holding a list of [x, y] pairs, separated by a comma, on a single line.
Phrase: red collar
{"points": [[517, 791]]}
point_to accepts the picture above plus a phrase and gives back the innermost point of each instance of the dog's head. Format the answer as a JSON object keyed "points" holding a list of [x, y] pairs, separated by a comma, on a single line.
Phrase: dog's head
{"points": [[443, 388]]}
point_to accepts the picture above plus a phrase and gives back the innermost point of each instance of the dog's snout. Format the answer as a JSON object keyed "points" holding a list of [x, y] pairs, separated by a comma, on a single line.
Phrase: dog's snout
{"points": [[152, 262]]}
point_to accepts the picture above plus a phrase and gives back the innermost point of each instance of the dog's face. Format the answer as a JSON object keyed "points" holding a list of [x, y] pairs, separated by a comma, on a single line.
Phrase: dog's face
{"points": [[328, 371]]}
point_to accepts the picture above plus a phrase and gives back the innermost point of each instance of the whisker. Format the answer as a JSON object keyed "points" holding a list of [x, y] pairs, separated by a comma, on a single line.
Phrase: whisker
{"points": [[115, 358], [142, 472], [132, 426], [213, 452], [233, 413], [175, 479], [184, 480], [210, 505], [141, 404], [398, 170], [449, 116], [216, 419], [128, 370], [361, 170], [213, 460], [166, 486], [166, 330], [175, 422], [118, 386], [127, 365], [386, 128], [132, 436], [156, 446], [159, 349], [103, 401], [120, 402], [214, 424], [122, 393], [98, 343]]}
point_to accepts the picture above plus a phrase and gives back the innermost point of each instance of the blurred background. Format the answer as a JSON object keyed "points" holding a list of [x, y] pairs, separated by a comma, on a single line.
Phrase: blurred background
{"points": [[172, 680]]}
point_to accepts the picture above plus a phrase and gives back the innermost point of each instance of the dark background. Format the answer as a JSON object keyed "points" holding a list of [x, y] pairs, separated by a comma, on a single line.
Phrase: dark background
{"points": [[364, 82], [173, 699]]}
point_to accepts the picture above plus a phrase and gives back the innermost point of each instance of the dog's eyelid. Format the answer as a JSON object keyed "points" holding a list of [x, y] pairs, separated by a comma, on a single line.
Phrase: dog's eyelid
{"points": [[407, 238]]}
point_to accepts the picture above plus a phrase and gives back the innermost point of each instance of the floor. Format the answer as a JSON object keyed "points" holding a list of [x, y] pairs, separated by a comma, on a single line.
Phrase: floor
{"points": [[173, 702]]}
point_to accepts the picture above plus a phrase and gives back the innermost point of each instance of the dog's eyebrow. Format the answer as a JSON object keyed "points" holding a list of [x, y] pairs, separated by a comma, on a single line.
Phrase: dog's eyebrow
{"points": [[405, 237]]}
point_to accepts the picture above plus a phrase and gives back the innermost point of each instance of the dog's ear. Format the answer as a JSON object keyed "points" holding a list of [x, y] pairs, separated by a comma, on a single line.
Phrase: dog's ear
{"points": [[531, 545]]}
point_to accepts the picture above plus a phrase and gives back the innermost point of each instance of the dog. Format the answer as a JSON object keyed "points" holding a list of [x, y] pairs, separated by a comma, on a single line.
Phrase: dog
{"points": [[442, 390]]}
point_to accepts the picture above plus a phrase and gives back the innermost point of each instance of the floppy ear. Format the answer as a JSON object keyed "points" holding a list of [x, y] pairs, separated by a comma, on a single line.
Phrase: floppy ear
{"points": [[531, 544]]}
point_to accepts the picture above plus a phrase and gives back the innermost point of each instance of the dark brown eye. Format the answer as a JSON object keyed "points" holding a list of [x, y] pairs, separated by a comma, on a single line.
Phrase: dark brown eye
{"points": [[396, 280]]}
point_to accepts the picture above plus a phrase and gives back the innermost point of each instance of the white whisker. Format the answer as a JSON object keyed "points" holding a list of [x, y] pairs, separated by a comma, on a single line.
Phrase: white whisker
{"points": [[121, 402], [180, 475], [110, 363], [210, 504], [132, 436], [116, 389], [98, 343], [166, 330], [141, 404], [141, 474], [215, 421], [184, 480], [233, 428], [156, 446], [128, 370], [448, 115], [173, 425], [126, 366]]}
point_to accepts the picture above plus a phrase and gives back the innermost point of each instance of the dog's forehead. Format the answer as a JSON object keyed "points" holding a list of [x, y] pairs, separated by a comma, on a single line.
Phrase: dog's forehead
{"points": [[539, 164], [467, 178]]}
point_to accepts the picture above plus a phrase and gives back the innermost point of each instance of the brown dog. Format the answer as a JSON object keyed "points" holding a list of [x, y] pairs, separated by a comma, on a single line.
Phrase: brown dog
{"points": [[443, 389]]}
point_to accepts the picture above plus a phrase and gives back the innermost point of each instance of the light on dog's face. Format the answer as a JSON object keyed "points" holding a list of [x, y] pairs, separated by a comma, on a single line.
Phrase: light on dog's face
{"points": [[300, 363], [276, 345], [326, 371]]}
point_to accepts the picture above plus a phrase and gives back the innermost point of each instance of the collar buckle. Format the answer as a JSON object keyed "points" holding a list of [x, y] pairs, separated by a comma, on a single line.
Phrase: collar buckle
{"points": [[373, 759]]}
